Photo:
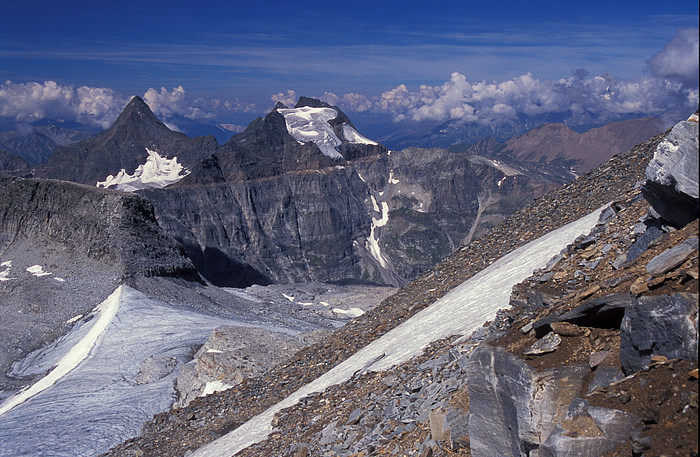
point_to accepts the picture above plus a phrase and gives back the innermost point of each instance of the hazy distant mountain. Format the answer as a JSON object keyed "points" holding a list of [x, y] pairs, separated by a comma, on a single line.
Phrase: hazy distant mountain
{"points": [[558, 144], [36, 143], [13, 164]]}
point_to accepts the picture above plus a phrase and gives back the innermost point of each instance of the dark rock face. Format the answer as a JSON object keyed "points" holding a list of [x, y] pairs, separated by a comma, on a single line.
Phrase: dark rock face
{"points": [[123, 146], [12, 164], [672, 175], [664, 325]]}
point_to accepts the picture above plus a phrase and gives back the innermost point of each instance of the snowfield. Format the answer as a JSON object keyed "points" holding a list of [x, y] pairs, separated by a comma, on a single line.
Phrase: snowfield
{"points": [[92, 399], [460, 312], [157, 172]]}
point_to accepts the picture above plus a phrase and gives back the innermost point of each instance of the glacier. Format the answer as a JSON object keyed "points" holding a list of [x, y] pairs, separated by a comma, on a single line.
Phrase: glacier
{"points": [[157, 172], [91, 399]]}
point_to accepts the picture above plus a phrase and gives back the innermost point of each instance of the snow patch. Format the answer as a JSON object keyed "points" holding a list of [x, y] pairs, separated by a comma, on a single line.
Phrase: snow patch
{"points": [[500, 183], [107, 310], [38, 271], [74, 319], [372, 241], [5, 274], [213, 387], [157, 172], [311, 124], [392, 180], [288, 297], [361, 178], [353, 136], [352, 312], [214, 351]]}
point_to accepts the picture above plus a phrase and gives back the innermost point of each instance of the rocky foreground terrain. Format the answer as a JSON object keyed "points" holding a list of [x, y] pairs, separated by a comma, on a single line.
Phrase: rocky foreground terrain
{"points": [[597, 354]]}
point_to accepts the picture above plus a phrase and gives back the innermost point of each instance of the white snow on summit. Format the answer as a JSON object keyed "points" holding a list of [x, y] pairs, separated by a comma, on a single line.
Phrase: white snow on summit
{"points": [[157, 172], [311, 124]]}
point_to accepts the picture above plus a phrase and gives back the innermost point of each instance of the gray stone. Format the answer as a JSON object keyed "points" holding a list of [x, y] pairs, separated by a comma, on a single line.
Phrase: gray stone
{"points": [[672, 175], [597, 358], [549, 343], [588, 431], [659, 325], [513, 407], [604, 376], [672, 257], [641, 244]]}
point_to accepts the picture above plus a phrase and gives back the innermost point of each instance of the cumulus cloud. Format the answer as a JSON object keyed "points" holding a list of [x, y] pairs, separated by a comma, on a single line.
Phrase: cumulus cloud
{"points": [[33, 101], [350, 102], [289, 99], [167, 103], [580, 98], [679, 58]]}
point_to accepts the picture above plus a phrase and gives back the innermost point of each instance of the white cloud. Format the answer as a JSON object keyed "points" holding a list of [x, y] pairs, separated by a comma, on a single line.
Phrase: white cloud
{"points": [[289, 99], [679, 58], [33, 101], [167, 103], [577, 99]]}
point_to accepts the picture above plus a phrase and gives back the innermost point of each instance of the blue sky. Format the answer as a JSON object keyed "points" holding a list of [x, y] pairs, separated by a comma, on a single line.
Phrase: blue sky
{"points": [[197, 57]]}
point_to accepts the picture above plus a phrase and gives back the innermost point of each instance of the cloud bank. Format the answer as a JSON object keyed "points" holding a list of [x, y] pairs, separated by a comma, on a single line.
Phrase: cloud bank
{"points": [[668, 90], [33, 101]]}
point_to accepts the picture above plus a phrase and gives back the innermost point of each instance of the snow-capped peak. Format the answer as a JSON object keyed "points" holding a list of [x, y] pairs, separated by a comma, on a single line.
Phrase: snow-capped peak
{"points": [[308, 123], [157, 172]]}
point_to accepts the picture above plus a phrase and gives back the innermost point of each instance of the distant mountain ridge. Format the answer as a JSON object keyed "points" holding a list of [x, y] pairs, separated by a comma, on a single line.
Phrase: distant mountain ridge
{"points": [[301, 195], [557, 143]]}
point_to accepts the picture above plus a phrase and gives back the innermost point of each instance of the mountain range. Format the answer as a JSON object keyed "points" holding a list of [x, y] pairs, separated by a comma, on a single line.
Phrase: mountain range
{"points": [[172, 268], [271, 206]]}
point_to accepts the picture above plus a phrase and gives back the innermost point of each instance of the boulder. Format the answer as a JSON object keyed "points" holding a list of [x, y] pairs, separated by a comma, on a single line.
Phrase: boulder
{"points": [[588, 431], [664, 325], [513, 408], [672, 175]]}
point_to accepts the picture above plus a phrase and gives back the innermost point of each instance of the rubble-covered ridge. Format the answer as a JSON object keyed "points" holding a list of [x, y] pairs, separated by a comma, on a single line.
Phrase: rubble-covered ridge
{"points": [[569, 393]]}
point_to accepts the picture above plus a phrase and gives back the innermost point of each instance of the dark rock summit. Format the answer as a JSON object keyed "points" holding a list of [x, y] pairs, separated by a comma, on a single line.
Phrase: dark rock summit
{"points": [[123, 146]]}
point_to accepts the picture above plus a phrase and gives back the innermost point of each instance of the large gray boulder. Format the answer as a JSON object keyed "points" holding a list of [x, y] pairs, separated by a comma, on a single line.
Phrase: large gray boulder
{"points": [[513, 408], [664, 325], [672, 175], [588, 431]]}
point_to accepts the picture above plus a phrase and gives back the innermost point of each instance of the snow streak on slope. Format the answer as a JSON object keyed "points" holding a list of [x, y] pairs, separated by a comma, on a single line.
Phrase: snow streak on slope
{"points": [[461, 311], [107, 310], [372, 240], [157, 172], [354, 136]]}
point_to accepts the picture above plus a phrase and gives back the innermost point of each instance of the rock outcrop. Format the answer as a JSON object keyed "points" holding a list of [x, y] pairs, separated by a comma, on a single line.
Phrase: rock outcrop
{"points": [[672, 176]]}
